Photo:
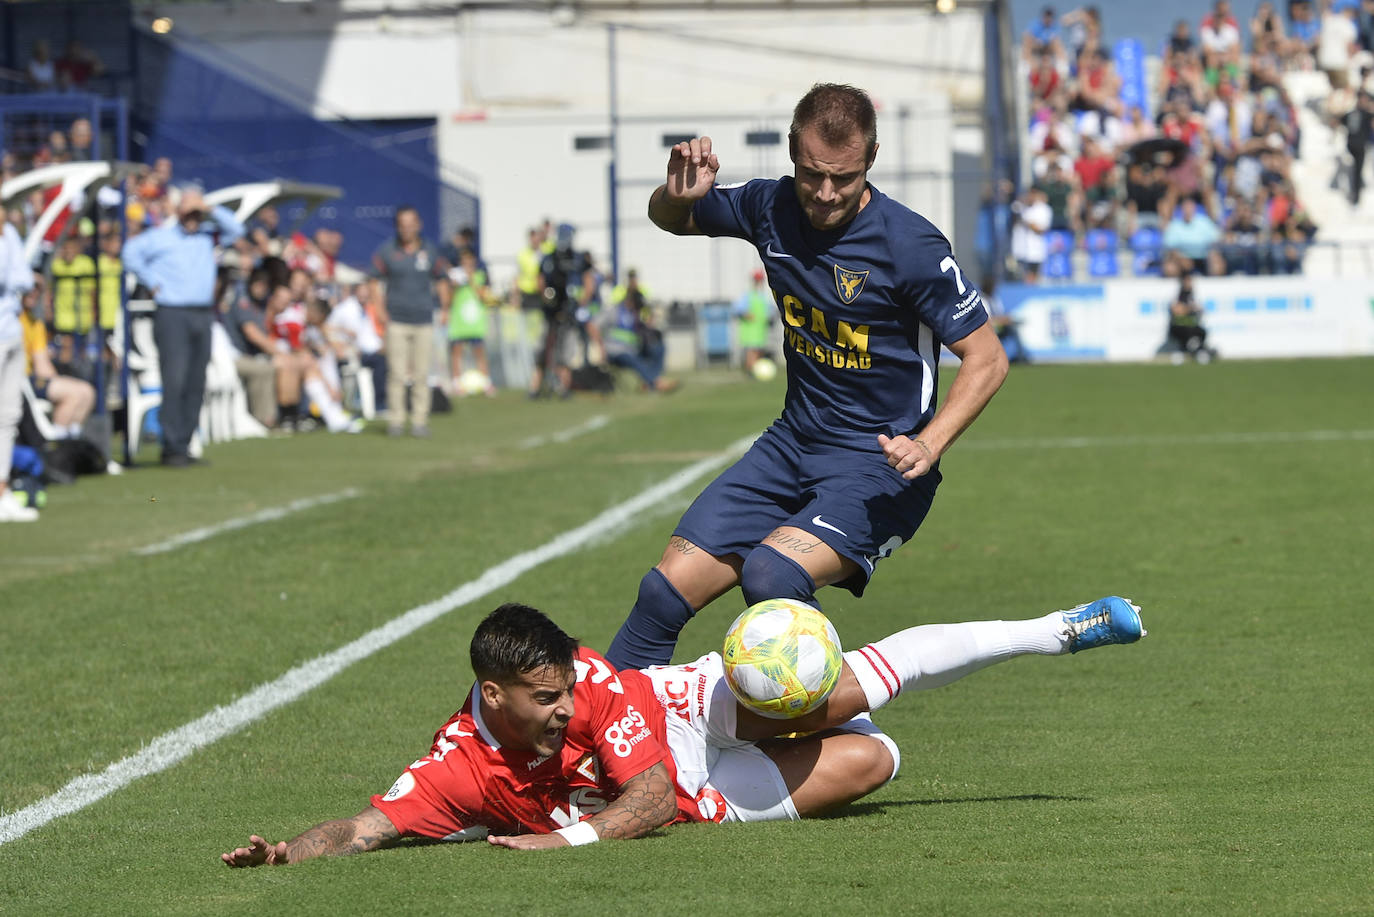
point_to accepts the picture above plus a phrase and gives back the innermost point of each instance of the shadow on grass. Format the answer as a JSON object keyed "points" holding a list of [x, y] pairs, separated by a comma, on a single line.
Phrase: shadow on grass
{"points": [[873, 808]]}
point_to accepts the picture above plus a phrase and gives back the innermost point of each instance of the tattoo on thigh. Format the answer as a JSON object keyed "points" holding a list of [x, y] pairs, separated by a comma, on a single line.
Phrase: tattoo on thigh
{"points": [[682, 545], [792, 543]]}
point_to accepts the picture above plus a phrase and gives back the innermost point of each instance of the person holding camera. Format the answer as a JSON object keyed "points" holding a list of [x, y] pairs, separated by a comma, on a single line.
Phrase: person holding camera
{"points": [[176, 262]]}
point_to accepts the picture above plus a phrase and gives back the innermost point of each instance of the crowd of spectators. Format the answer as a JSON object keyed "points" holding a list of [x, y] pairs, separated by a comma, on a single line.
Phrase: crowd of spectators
{"points": [[1200, 177]]}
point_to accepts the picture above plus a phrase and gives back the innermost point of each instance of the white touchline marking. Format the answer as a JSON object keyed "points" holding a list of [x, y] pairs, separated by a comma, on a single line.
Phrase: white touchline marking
{"points": [[172, 747], [1169, 439], [229, 525], [589, 425]]}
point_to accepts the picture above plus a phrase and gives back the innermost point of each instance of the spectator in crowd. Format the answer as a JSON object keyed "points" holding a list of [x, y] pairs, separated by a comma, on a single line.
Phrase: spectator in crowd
{"points": [[1338, 43], [466, 319], [1137, 128], [1219, 35], [260, 367], [1358, 124], [464, 239], [1082, 30], [42, 71], [1180, 40], [1267, 36], [754, 311], [1042, 37], [630, 338], [1304, 29], [1003, 323], [1044, 78], [1241, 243], [1064, 193], [1096, 178], [15, 280], [411, 269], [1098, 85], [1189, 238], [1146, 185], [110, 268], [72, 303], [351, 325], [586, 292], [176, 262], [529, 295], [264, 232], [77, 66], [72, 399], [1185, 324], [992, 235], [1029, 242], [81, 140]]}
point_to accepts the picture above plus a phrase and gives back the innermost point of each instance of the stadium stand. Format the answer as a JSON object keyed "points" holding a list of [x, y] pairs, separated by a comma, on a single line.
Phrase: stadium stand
{"points": [[1247, 119]]}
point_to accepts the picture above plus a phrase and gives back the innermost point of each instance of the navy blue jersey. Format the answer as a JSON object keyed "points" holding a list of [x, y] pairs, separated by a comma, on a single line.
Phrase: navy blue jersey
{"points": [[864, 307]]}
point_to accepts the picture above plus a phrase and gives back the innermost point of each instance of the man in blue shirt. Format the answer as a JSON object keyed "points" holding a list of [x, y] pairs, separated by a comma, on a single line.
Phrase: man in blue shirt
{"points": [[176, 261], [867, 291]]}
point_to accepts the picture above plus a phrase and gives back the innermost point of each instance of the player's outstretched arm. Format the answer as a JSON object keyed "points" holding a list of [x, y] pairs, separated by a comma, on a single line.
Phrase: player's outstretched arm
{"points": [[368, 830], [692, 168], [647, 801], [982, 368]]}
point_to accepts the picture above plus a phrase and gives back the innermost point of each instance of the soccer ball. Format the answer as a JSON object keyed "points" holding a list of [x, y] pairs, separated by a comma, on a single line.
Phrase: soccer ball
{"points": [[764, 370], [782, 658], [471, 382]]}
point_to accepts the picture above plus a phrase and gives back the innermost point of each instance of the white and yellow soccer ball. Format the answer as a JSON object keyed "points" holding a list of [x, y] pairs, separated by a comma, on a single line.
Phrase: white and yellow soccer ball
{"points": [[782, 658], [471, 382], [764, 370]]}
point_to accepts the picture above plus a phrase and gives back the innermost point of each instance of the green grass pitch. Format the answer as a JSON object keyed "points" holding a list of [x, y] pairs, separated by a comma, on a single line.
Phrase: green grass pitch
{"points": [[1221, 766]]}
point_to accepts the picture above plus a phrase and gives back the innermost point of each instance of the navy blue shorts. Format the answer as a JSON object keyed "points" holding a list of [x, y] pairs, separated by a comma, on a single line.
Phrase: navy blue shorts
{"points": [[853, 501]]}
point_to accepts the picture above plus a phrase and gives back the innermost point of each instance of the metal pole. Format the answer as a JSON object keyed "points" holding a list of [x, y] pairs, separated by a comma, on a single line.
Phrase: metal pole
{"points": [[615, 152]]}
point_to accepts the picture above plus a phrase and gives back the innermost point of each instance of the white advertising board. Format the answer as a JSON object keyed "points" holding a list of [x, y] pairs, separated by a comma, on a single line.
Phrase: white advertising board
{"points": [[1244, 317]]}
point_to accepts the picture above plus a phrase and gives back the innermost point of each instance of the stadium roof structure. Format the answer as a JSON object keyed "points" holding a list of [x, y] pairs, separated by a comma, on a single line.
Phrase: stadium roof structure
{"points": [[75, 179], [248, 198]]}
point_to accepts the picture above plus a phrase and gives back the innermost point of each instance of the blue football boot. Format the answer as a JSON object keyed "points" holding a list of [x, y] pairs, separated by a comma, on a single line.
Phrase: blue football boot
{"points": [[1103, 622]]}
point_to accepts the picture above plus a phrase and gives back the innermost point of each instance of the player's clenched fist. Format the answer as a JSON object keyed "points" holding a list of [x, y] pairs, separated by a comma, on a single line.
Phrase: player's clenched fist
{"points": [[692, 169], [910, 457]]}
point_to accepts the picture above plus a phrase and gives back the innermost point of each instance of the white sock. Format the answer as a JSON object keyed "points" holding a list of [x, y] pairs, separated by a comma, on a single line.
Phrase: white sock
{"points": [[334, 417], [933, 655], [74, 431]]}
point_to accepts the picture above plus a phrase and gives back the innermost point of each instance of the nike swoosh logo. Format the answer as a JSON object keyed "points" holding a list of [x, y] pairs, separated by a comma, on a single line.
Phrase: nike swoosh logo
{"points": [[817, 520], [768, 250]]}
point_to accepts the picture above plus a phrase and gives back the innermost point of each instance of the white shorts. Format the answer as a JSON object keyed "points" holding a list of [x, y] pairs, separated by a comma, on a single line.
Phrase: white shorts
{"points": [[731, 778]]}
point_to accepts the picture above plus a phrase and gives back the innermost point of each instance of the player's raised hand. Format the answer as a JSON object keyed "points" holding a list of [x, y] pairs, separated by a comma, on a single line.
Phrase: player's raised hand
{"points": [[261, 853], [527, 841], [692, 169], [910, 457]]}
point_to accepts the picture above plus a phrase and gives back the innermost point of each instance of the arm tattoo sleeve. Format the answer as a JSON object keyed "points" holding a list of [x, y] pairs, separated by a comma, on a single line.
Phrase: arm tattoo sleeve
{"points": [[647, 801], [368, 830]]}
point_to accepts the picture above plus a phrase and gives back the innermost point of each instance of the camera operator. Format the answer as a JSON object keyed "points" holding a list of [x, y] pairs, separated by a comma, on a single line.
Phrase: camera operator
{"points": [[561, 270]]}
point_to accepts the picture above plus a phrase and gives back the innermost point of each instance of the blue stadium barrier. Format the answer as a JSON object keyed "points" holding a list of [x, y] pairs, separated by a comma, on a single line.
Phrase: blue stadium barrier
{"points": [[1059, 258]]}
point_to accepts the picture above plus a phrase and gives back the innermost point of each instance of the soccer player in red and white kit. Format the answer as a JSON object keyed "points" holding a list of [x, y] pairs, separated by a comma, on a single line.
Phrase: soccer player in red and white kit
{"points": [[554, 747]]}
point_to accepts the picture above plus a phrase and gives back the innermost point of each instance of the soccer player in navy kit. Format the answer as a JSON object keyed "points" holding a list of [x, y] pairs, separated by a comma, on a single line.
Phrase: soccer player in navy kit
{"points": [[868, 292]]}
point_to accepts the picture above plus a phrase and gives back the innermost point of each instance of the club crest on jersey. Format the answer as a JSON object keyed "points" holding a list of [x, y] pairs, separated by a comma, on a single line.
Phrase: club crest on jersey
{"points": [[849, 284]]}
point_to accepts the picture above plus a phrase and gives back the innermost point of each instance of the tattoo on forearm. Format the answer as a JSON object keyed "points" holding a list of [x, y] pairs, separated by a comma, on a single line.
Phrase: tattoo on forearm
{"points": [[682, 545], [792, 543], [365, 831], [648, 802]]}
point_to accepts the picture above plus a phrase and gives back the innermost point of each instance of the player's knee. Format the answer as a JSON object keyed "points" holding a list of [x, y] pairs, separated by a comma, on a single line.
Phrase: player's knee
{"points": [[769, 575], [871, 762]]}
